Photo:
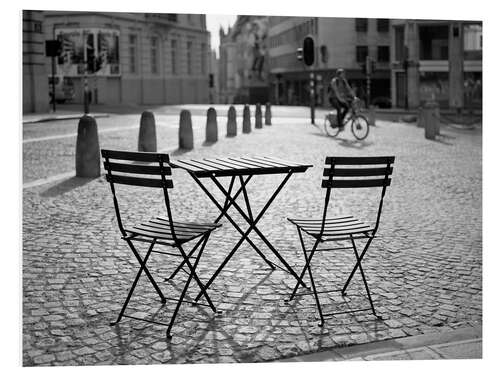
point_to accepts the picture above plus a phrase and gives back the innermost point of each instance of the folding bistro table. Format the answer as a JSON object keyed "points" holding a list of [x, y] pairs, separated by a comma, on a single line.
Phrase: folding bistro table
{"points": [[243, 169]]}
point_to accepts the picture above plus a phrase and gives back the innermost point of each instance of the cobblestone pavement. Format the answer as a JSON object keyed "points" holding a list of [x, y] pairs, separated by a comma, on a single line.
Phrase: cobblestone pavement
{"points": [[425, 270]]}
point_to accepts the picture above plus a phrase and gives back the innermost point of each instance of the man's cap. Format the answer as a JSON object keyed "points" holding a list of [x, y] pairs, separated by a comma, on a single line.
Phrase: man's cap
{"points": [[339, 71]]}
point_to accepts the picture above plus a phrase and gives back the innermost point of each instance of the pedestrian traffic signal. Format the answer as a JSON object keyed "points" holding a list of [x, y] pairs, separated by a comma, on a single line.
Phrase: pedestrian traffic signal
{"points": [[308, 51], [299, 54]]}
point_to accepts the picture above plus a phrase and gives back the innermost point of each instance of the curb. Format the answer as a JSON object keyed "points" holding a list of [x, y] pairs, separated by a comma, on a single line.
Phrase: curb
{"points": [[443, 345]]}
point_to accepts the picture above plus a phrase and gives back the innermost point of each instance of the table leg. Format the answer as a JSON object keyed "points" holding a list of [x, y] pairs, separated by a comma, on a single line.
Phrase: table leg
{"points": [[253, 223]]}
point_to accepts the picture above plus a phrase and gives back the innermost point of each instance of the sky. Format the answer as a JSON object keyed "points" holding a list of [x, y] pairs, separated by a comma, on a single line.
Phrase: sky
{"points": [[214, 22]]}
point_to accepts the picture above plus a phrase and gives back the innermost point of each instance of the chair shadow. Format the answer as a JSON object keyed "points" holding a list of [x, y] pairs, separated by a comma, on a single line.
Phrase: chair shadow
{"points": [[66, 186]]}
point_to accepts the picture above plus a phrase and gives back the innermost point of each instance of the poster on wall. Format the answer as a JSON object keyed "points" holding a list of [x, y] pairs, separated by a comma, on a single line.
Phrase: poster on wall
{"points": [[88, 51]]}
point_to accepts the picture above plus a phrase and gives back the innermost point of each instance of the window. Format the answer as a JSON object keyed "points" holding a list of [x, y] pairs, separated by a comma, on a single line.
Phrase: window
{"points": [[383, 25], [383, 53], [361, 53], [132, 53], [361, 24], [189, 58], [173, 55], [433, 42], [473, 41], [154, 55]]}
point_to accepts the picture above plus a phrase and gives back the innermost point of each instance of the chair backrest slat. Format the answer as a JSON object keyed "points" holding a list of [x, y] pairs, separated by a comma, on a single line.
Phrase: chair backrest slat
{"points": [[121, 168], [136, 168], [134, 156], [360, 160], [139, 181], [355, 183], [357, 172]]}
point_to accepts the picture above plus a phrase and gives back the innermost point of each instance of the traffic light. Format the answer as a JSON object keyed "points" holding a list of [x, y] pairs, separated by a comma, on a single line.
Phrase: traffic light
{"points": [[300, 54], [308, 51], [211, 80], [53, 48]]}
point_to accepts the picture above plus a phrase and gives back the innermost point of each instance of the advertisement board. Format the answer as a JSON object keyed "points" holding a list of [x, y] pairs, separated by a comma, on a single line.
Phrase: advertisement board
{"points": [[88, 51]]}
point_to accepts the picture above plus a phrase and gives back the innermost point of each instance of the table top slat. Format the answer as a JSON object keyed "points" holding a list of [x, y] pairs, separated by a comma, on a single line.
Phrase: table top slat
{"points": [[237, 166], [276, 160], [265, 163]]}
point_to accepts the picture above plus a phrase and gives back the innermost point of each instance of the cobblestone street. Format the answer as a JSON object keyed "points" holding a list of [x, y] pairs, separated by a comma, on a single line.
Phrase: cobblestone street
{"points": [[424, 269]]}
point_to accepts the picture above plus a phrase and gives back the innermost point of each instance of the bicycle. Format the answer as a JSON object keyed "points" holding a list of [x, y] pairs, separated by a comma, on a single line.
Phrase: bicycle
{"points": [[359, 123]]}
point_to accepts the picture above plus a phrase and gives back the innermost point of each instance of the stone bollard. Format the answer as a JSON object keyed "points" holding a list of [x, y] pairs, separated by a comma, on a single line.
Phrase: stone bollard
{"points": [[147, 133], [185, 131], [211, 129], [371, 116], [431, 121], [258, 116], [268, 114], [88, 159], [247, 126], [231, 122]]}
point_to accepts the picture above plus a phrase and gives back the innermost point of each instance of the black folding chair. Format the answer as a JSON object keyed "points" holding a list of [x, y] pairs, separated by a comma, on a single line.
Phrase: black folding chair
{"points": [[151, 170], [344, 172]]}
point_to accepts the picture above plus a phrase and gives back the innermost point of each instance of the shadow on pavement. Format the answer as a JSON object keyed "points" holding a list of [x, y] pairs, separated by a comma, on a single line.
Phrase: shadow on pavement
{"points": [[65, 186]]}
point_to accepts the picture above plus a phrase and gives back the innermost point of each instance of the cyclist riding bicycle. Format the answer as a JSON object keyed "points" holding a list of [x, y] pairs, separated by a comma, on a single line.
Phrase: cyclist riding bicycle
{"points": [[341, 96]]}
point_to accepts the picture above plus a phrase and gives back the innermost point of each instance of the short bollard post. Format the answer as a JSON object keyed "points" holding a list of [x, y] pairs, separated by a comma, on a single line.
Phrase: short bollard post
{"points": [[231, 122], [258, 116], [88, 160], [267, 114], [247, 126], [147, 133], [211, 129], [430, 120], [185, 131]]}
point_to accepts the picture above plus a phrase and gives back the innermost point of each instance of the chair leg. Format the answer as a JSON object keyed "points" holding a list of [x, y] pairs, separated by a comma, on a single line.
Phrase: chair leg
{"points": [[358, 264], [308, 260], [183, 261], [367, 245], [308, 266], [186, 286], [137, 277]]}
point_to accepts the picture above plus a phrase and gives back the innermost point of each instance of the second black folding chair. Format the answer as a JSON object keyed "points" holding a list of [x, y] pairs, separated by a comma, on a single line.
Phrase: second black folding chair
{"points": [[129, 168], [344, 172]]}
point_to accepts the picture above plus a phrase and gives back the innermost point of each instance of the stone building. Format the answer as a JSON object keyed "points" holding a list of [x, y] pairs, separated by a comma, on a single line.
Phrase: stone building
{"points": [[35, 82], [132, 58], [244, 61], [339, 43], [436, 59]]}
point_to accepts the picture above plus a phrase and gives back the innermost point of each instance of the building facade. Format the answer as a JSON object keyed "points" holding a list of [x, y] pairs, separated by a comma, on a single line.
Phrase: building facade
{"points": [[339, 43], [244, 61], [35, 82], [438, 60], [132, 58]]}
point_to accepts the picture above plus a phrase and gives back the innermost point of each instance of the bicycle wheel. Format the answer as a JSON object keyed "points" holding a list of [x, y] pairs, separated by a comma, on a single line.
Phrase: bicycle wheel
{"points": [[360, 127], [331, 127]]}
